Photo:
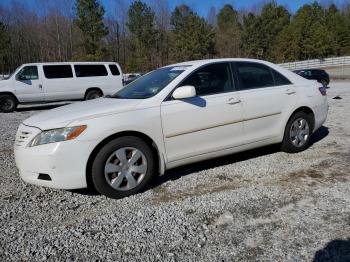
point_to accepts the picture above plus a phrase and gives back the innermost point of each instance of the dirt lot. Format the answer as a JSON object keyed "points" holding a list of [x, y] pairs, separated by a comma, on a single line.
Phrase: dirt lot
{"points": [[259, 205]]}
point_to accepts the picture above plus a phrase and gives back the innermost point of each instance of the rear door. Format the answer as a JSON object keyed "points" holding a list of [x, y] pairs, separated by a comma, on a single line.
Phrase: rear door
{"points": [[28, 84], [266, 96], [58, 83]]}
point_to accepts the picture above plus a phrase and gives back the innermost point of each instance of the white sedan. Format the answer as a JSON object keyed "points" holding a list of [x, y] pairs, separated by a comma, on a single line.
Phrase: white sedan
{"points": [[172, 116]]}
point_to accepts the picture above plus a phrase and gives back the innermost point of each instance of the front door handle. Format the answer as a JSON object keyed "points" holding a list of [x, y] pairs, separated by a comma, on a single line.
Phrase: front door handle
{"points": [[290, 91], [233, 101], [40, 86]]}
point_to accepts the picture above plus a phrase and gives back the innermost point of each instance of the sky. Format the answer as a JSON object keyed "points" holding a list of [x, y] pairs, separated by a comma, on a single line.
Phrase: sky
{"points": [[200, 6]]}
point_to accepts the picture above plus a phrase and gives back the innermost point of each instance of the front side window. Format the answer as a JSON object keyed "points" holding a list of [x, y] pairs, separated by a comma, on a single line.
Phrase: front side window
{"points": [[90, 70], [28, 73], [150, 84], [58, 71], [211, 79], [253, 75]]}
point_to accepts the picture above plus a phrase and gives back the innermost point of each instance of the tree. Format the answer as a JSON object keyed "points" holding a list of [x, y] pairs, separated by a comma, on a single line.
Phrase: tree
{"points": [[142, 36], [339, 29], [4, 47], [260, 32], [306, 37], [193, 37], [90, 21], [228, 37]]}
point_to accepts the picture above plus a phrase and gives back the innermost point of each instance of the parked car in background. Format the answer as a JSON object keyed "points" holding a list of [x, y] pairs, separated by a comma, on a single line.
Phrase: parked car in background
{"points": [[128, 78], [49, 82], [172, 116], [314, 74]]}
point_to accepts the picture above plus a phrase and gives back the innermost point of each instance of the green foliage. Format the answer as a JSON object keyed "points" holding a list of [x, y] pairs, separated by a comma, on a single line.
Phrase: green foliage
{"points": [[313, 33], [260, 32], [90, 22], [193, 37], [143, 36], [228, 37], [4, 47]]}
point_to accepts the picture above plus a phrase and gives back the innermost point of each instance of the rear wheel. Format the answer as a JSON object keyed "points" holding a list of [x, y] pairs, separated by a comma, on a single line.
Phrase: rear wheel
{"points": [[123, 167], [297, 133], [324, 82], [93, 94], [8, 103]]}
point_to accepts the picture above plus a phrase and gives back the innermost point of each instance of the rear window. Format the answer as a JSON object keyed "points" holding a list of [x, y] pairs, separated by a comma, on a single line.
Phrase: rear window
{"points": [[90, 70], [114, 69], [58, 71]]}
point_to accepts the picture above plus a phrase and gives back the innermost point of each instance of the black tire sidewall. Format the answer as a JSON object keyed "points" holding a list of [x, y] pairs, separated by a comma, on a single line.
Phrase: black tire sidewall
{"points": [[14, 103], [287, 145], [98, 165]]}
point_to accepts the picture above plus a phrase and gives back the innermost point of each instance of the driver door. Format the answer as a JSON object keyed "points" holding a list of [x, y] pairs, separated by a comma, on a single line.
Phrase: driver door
{"points": [[207, 123], [28, 85]]}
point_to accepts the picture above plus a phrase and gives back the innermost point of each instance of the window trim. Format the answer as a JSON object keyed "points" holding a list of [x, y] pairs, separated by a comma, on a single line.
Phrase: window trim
{"points": [[234, 65], [169, 97]]}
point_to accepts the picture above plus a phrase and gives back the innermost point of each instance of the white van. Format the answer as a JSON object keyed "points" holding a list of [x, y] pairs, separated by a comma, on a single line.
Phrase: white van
{"points": [[51, 82]]}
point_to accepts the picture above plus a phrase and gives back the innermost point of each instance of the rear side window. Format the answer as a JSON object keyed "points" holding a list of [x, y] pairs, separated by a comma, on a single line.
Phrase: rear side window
{"points": [[114, 69], [280, 80], [58, 71], [254, 75], [90, 70]]}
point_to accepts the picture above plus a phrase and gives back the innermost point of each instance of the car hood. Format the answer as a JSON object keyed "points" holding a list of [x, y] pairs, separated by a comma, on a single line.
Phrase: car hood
{"points": [[62, 116]]}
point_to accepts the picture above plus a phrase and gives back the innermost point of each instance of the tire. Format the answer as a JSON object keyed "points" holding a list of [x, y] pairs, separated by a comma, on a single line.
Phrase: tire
{"points": [[295, 132], [115, 176], [324, 82], [8, 103], [93, 94]]}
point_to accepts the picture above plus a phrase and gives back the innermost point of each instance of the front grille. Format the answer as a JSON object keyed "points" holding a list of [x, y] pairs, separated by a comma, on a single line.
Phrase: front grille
{"points": [[25, 134]]}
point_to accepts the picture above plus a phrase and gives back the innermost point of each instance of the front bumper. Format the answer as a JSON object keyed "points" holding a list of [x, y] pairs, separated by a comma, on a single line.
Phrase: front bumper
{"points": [[65, 162]]}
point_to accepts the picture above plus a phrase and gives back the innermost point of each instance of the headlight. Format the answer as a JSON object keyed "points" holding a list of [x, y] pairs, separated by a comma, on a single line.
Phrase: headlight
{"points": [[57, 135]]}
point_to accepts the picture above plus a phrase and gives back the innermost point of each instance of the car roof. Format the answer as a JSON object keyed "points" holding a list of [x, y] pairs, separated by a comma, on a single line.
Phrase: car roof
{"points": [[64, 63], [206, 61]]}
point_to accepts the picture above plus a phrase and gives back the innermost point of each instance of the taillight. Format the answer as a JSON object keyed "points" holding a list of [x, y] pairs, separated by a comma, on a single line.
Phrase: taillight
{"points": [[323, 90]]}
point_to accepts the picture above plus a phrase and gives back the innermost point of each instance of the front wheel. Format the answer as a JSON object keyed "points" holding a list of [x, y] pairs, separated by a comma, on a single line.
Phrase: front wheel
{"points": [[8, 103], [123, 167], [297, 133]]}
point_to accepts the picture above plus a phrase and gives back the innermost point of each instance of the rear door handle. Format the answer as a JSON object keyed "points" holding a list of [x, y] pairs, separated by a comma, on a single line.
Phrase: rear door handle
{"points": [[40, 86], [290, 91], [233, 101]]}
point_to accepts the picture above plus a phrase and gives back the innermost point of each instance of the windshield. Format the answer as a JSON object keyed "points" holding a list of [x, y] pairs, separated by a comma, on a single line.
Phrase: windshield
{"points": [[150, 84]]}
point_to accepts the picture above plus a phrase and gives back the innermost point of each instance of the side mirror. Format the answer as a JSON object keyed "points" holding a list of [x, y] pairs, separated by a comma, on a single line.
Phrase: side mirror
{"points": [[184, 92]]}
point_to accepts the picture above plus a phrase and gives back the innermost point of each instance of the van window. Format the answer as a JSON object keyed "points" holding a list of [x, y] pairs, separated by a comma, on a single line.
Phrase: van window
{"points": [[58, 71], [28, 73], [114, 69], [90, 70]]}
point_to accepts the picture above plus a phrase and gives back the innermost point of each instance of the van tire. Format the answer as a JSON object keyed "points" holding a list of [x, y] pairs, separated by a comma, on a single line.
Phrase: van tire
{"points": [[8, 103], [93, 94]]}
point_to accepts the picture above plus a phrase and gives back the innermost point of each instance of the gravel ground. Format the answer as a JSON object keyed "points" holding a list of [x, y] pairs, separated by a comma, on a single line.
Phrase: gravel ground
{"points": [[259, 205]]}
